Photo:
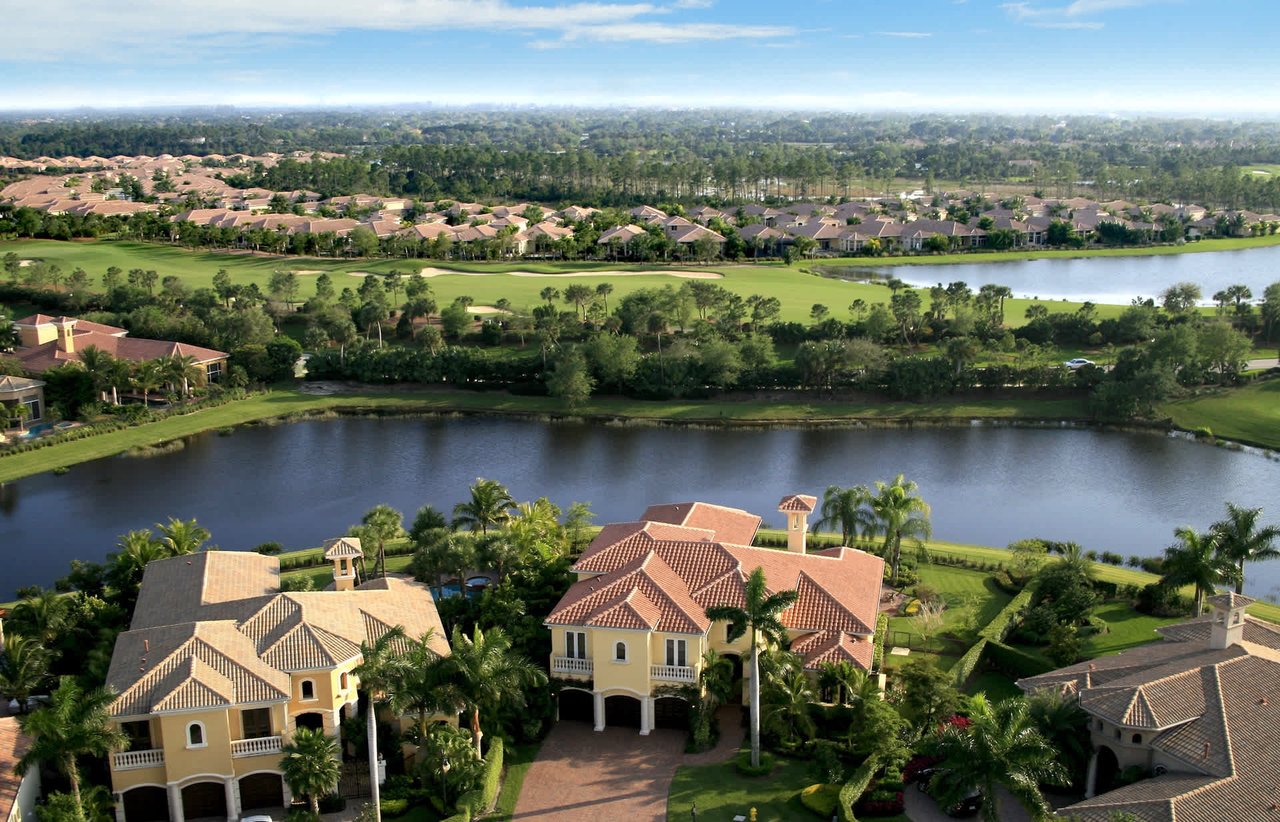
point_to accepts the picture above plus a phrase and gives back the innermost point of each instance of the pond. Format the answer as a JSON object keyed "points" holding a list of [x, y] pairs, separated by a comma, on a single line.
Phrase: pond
{"points": [[1108, 279], [302, 483]]}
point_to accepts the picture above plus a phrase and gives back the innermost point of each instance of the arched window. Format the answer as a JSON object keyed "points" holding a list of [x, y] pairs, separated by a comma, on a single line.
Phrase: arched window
{"points": [[195, 735], [620, 652], [308, 689], [343, 680], [1137, 739]]}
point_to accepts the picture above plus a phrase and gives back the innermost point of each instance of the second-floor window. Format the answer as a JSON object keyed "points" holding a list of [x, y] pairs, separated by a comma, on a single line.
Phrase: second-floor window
{"points": [[676, 653], [256, 722], [575, 645], [139, 735], [195, 735], [620, 652], [308, 689]]}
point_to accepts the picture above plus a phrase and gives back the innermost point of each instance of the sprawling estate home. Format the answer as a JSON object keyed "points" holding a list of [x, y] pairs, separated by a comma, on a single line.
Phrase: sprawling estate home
{"points": [[633, 629], [20, 391], [46, 342], [219, 667], [1199, 712]]}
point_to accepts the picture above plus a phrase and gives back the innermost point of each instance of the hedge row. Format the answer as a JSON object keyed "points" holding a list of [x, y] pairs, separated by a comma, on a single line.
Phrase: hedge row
{"points": [[1002, 623], [1015, 662], [964, 666], [479, 800], [882, 630], [852, 790]]}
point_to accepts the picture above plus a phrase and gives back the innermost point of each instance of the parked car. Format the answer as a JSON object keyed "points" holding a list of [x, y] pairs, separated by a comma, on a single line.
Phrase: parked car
{"points": [[1078, 362], [968, 806]]}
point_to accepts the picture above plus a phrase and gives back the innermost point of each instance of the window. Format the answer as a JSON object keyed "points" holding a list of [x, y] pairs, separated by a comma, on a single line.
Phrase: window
{"points": [[676, 653], [308, 689], [728, 632], [575, 644], [620, 652], [195, 735], [256, 722], [214, 371], [139, 734], [343, 681], [1137, 739], [33, 408]]}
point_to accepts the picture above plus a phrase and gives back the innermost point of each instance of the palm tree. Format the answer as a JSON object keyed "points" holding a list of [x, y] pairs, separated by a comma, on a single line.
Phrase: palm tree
{"points": [[424, 688], [75, 723], [147, 377], [182, 371], [1000, 747], [717, 678], [98, 364], [489, 506], [1062, 721], [1241, 540], [899, 512], [849, 683], [23, 666], [378, 526], [118, 375], [181, 537], [381, 668], [787, 694], [487, 674], [1195, 560], [42, 615], [846, 507], [761, 614], [310, 765], [137, 549]]}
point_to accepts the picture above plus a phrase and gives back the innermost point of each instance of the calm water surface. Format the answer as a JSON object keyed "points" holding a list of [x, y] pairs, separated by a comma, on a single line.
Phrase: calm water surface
{"points": [[301, 483], [1109, 279]]}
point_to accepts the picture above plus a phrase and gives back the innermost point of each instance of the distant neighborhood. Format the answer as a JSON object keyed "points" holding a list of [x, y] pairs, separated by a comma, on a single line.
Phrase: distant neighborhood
{"points": [[187, 200]]}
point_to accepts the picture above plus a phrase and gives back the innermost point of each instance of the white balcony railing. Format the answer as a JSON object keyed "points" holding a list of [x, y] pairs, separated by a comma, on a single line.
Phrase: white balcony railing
{"points": [[677, 673], [570, 665], [255, 747], [132, 760]]}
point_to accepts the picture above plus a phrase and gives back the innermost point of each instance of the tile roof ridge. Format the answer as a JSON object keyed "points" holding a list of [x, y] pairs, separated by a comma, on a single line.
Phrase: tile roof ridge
{"points": [[1221, 714]]}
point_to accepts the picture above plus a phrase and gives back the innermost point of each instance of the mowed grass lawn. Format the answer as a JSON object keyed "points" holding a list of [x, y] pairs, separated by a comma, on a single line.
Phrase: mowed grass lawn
{"points": [[486, 283], [1250, 414], [964, 591]]}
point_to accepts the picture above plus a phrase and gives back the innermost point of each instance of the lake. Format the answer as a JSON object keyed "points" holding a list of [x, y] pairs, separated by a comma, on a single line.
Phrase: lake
{"points": [[301, 483], [1108, 279]]}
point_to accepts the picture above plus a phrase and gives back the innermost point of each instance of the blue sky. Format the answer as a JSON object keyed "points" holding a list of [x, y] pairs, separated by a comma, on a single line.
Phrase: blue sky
{"points": [[1056, 56]]}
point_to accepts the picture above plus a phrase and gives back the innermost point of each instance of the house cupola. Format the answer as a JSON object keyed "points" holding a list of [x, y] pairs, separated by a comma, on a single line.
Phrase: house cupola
{"points": [[797, 507], [343, 553], [66, 327], [1228, 620]]}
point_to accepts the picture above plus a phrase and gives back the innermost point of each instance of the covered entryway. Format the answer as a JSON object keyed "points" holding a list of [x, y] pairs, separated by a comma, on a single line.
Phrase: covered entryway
{"points": [[1108, 768], [577, 706], [311, 720], [622, 712], [671, 712], [261, 791], [148, 803], [204, 799]]}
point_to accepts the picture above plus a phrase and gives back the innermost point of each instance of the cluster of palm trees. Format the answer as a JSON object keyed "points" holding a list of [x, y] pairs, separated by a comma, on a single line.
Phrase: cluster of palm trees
{"points": [[893, 511], [111, 376], [1206, 559]]}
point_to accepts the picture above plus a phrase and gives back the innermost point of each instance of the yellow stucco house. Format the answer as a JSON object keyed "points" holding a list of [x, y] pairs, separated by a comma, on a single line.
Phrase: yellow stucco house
{"points": [[633, 629], [219, 667]]}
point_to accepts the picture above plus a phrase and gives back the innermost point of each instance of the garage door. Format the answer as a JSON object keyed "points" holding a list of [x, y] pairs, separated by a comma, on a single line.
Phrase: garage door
{"points": [[622, 712], [204, 799], [147, 804], [671, 712], [261, 791], [577, 706]]}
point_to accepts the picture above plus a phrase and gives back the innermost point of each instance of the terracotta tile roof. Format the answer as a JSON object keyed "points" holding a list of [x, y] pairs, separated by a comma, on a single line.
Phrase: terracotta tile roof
{"points": [[81, 326], [798, 502], [1256, 631], [343, 548], [307, 648], [13, 745], [731, 525], [39, 358]]}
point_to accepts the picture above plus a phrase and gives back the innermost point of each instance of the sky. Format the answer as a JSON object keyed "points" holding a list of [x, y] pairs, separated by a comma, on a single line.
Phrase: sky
{"points": [[1211, 59]]}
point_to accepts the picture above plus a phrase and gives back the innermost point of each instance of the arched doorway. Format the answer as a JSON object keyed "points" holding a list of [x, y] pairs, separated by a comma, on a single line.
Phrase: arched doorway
{"points": [[577, 706], [148, 803], [1108, 768], [622, 712], [671, 712], [311, 719], [204, 799], [261, 791]]}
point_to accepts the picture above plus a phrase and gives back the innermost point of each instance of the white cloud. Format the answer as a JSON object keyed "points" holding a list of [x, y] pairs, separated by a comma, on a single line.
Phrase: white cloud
{"points": [[1061, 17], [694, 4], [907, 34]]}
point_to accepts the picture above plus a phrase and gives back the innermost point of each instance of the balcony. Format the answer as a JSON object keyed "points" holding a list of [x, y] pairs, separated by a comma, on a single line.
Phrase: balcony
{"points": [[132, 760], [675, 673], [570, 665], [255, 747]]}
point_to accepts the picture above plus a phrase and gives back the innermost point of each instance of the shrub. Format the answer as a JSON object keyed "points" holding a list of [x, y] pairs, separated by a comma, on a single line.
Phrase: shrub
{"points": [[301, 815], [1014, 661], [1111, 558], [332, 803], [1162, 601], [913, 608], [821, 799], [963, 668], [743, 763], [394, 807], [882, 630]]}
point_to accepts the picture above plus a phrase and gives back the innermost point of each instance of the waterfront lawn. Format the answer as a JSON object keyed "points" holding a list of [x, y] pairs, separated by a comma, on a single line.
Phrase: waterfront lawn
{"points": [[1126, 628], [1250, 414], [962, 589]]}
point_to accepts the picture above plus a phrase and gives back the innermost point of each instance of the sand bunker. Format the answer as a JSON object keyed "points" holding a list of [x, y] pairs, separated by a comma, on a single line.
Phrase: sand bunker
{"points": [[362, 274], [486, 309], [25, 263], [687, 275], [307, 272]]}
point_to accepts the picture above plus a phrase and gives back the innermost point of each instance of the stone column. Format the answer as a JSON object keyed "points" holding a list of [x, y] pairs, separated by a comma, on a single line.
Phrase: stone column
{"points": [[1091, 781], [119, 806], [646, 715], [288, 792], [232, 788], [598, 699], [175, 804]]}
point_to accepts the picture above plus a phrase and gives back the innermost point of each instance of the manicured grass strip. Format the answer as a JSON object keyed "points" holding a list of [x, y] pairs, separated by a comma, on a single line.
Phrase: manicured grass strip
{"points": [[1250, 414], [517, 761], [1126, 628], [281, 403]]}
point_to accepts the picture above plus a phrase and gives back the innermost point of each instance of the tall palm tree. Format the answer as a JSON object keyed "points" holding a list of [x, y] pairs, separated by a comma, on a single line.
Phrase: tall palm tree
{"points": [[23, 667], [899, 513], [1195, 560], [1000, 747], [137, 549], [118, 375], [75, 723], [761, 614], [487, 674], [181, 371], [849, 683], [181, 537], [378, 526], [380, 670], [847, 508], [97, 364], [1062, 721], [787, 694], [489, 506], [1241, 540], [148, 377], [42, 615], [424, 688], [310, 765]]}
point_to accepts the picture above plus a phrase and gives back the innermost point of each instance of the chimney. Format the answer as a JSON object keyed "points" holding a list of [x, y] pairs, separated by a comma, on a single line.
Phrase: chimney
{"points": [[66, 334], [1228, 620], [797, 507]]}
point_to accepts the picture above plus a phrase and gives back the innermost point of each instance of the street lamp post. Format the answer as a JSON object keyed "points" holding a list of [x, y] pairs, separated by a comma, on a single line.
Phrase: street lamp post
{"points": [[444, 782]]}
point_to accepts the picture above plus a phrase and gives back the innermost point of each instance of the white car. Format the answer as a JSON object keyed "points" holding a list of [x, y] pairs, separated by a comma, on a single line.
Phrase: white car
{"points": [[1078, 362]]}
